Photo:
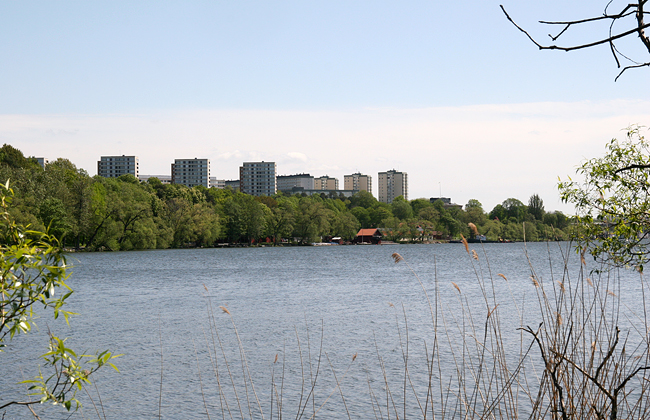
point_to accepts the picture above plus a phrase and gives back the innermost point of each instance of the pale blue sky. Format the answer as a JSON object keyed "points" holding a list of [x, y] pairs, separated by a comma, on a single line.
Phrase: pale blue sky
{"points": [[448, 92]]}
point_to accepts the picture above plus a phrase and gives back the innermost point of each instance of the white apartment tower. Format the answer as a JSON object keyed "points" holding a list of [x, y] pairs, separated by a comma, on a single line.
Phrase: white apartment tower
{"points": [[392, 184], [257, 178], [357, 182], [191, 172], [326, 183], [115, 166]]}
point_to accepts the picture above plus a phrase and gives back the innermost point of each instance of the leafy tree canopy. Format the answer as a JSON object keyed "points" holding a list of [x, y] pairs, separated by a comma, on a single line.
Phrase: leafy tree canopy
{"points": [[612, 201]]}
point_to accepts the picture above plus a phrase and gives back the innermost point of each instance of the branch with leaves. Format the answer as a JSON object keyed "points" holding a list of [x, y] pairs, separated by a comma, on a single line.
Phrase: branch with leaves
{"points": [[33, 271], [613, 202]]}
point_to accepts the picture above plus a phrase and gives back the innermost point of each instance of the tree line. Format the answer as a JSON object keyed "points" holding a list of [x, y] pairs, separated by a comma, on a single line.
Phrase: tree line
{"points": [[97, 213]]}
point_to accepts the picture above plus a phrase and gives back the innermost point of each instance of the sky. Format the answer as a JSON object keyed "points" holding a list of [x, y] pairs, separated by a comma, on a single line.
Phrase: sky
{"points": [[450, 93]]}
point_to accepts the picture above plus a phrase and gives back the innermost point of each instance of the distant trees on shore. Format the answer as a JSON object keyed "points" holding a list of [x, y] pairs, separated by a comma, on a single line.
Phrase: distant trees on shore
{"points": [[98, 213]]}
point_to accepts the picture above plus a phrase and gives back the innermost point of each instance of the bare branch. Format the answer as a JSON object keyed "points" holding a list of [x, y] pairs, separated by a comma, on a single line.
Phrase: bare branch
{"points": [[632, 67], [624, 13], [635, 9], [520, 28]]}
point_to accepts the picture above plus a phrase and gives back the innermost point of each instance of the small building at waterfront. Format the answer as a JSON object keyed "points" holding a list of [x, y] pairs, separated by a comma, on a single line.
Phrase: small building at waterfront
{"points": [[368, 236]]}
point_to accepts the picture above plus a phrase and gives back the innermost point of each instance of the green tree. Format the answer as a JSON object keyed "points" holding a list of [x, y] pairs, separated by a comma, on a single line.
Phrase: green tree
{"points": [[379, 213], [363, 199], [557, 219], [33, 271], [53, 215], [394, 229], [312, 219], [401, 208], [474, 213], [429, 214], [362, 215], [420, 204], [612, 203], [345, 225], [536, 207], [515, 209], [14, 158], [499, 213], [280, 222], [493, 230]]}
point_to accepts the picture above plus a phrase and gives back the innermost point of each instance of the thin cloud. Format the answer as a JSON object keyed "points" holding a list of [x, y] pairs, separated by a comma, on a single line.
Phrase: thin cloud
{"points": [[230, 155], [297, 156]]}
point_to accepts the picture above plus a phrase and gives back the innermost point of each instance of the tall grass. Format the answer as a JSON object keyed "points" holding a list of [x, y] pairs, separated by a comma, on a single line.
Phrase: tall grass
{"points": [[577, 353]]}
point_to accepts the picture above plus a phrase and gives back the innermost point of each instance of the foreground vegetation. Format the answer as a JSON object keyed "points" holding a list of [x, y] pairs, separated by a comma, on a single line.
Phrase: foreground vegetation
{"points": [[122, 214], [33, 272]]}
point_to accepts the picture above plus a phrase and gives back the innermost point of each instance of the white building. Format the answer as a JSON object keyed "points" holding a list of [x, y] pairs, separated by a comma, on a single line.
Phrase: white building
{"points": [[191, 172], [392, 184], [258, 178], [115, 166]]}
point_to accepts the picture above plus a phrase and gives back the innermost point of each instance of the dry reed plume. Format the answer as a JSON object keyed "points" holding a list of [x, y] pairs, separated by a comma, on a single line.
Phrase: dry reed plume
{"points": [[473, 228], [464, 241]]}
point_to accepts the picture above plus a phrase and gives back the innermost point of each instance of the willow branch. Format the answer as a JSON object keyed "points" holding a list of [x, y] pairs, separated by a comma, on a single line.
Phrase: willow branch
{"points": [[634, 166]]}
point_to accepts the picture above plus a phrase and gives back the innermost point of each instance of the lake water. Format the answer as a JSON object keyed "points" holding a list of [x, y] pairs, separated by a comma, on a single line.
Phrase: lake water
{"points": [[324, 303]]}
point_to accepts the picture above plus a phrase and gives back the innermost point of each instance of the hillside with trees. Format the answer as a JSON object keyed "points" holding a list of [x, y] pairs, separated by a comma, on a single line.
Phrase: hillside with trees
{"points": [[96, 213]]}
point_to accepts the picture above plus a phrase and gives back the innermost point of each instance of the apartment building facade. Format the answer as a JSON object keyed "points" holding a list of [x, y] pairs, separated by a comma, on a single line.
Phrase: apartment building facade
{"points": [[258, 178], [115, 166], [392, 184], [217, 183], [233, 184], [43, 162], [357, 182], [191, 172], [326, 183], [287, 183], [164, 179]]}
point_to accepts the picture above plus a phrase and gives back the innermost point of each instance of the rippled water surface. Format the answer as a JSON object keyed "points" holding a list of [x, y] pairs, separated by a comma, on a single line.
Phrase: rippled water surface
{"points": [[333, 302]]}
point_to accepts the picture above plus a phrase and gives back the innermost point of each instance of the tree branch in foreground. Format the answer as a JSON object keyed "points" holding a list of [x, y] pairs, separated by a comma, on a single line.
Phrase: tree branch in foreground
{"points": [[633, 9]]}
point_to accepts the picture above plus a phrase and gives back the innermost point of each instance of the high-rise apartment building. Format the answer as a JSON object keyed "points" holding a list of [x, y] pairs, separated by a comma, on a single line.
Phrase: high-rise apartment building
{"points": [[233, 184], [219, 184], [357, 182], [299, 181], [257, 178], [326, 183], [115, 166], [164, 179], [392, 184], [191, 172], [42, 161]]}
